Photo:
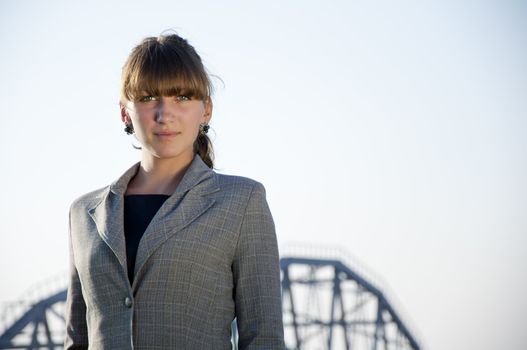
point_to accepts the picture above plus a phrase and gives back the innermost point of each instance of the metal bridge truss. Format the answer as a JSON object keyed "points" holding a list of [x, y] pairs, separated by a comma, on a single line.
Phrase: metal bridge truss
{"points": [[41, 326], [326, 305]]}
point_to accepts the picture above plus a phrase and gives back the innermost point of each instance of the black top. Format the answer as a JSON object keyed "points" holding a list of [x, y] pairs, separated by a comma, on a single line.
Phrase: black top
{"points": [[139, 209]]}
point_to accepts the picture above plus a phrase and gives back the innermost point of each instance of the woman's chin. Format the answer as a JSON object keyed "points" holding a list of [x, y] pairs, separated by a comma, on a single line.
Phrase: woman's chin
{"points": [[172, 154]]}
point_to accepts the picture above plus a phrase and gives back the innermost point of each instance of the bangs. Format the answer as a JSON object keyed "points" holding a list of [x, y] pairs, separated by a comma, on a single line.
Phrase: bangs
{"points": [[158, 68]]}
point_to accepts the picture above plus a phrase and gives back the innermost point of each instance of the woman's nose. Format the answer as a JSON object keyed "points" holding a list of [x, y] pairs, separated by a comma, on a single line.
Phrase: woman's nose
{"points": [[164, 112]]}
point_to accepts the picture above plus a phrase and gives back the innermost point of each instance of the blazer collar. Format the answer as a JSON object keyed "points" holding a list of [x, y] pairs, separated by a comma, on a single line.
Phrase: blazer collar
{"points": [[198, 173], [191, 198]]}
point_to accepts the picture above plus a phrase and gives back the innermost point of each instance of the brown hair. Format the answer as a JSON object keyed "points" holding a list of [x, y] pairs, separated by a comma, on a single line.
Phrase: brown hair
{"points": [[166, 66]]}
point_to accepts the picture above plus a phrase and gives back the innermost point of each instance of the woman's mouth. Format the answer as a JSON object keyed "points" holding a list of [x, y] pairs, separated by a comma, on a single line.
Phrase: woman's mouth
{"points": [[166, 134]]}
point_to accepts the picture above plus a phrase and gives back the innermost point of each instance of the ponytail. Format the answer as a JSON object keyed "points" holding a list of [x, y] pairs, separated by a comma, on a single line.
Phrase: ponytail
{"points": [[203, 147]]}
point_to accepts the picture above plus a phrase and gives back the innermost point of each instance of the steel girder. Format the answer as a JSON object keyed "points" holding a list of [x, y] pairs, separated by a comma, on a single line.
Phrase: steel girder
{"points": [[327, 305], [35, 328]]}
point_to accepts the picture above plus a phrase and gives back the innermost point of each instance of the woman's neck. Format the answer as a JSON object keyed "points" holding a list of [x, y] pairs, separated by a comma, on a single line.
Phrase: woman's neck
{"points": [[158, 176]]}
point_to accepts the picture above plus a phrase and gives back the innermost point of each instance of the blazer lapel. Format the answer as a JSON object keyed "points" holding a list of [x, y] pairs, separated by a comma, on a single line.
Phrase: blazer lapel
{"points": [[193, 196], [108, 215]]}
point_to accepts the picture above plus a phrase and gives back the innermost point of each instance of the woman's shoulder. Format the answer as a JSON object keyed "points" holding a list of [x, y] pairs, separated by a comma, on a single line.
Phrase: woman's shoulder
{"points": [[89, 199], [239, 184]]}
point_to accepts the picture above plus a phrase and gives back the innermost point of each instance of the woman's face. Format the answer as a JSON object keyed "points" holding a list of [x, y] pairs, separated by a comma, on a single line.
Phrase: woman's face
{"points": [[167, 126]]}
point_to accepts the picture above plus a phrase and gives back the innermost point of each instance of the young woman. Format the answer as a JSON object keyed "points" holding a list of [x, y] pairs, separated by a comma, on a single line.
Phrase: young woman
{"points": [[171, 252]]}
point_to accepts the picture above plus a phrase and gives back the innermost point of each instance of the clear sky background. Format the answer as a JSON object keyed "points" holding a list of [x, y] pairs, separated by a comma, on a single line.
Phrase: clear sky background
{"points": [[393, 129]]}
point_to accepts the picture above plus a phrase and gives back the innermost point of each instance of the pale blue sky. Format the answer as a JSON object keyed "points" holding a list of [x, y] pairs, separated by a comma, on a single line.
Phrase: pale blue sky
{"points": [[396, 130]]}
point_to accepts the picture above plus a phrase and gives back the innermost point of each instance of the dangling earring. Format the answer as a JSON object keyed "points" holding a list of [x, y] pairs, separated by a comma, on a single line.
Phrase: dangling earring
{"points": [[204, 128], [128, 129]]}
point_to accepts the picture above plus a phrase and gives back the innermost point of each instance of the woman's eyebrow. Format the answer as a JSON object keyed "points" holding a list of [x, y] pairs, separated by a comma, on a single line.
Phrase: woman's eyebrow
{"points": [[146, 93], [181, 91]]}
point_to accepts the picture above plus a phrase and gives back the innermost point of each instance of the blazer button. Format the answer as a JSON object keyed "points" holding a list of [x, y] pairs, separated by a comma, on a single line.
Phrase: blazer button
{"points": [[128, 302]]}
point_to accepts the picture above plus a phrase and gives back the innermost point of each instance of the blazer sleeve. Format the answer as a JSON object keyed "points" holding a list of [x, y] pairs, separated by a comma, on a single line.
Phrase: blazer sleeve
{"points": [[256, 273], [76, 328]]}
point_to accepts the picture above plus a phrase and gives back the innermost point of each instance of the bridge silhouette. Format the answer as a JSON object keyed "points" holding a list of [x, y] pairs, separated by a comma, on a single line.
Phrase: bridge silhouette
{"points": [[329, 301]]}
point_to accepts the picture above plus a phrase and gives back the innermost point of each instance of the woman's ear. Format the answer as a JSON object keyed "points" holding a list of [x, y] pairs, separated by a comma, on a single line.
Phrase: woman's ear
{"points": [[208, 110], [124, 114]]}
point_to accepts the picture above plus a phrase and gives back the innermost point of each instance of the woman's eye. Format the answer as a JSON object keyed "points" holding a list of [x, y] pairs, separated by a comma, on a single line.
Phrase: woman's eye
{"points": [[147, 98], [182, 98]]}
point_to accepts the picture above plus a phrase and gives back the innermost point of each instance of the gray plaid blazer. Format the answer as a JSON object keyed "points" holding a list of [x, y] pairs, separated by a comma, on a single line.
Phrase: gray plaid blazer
{"points": [[208, 255]]}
